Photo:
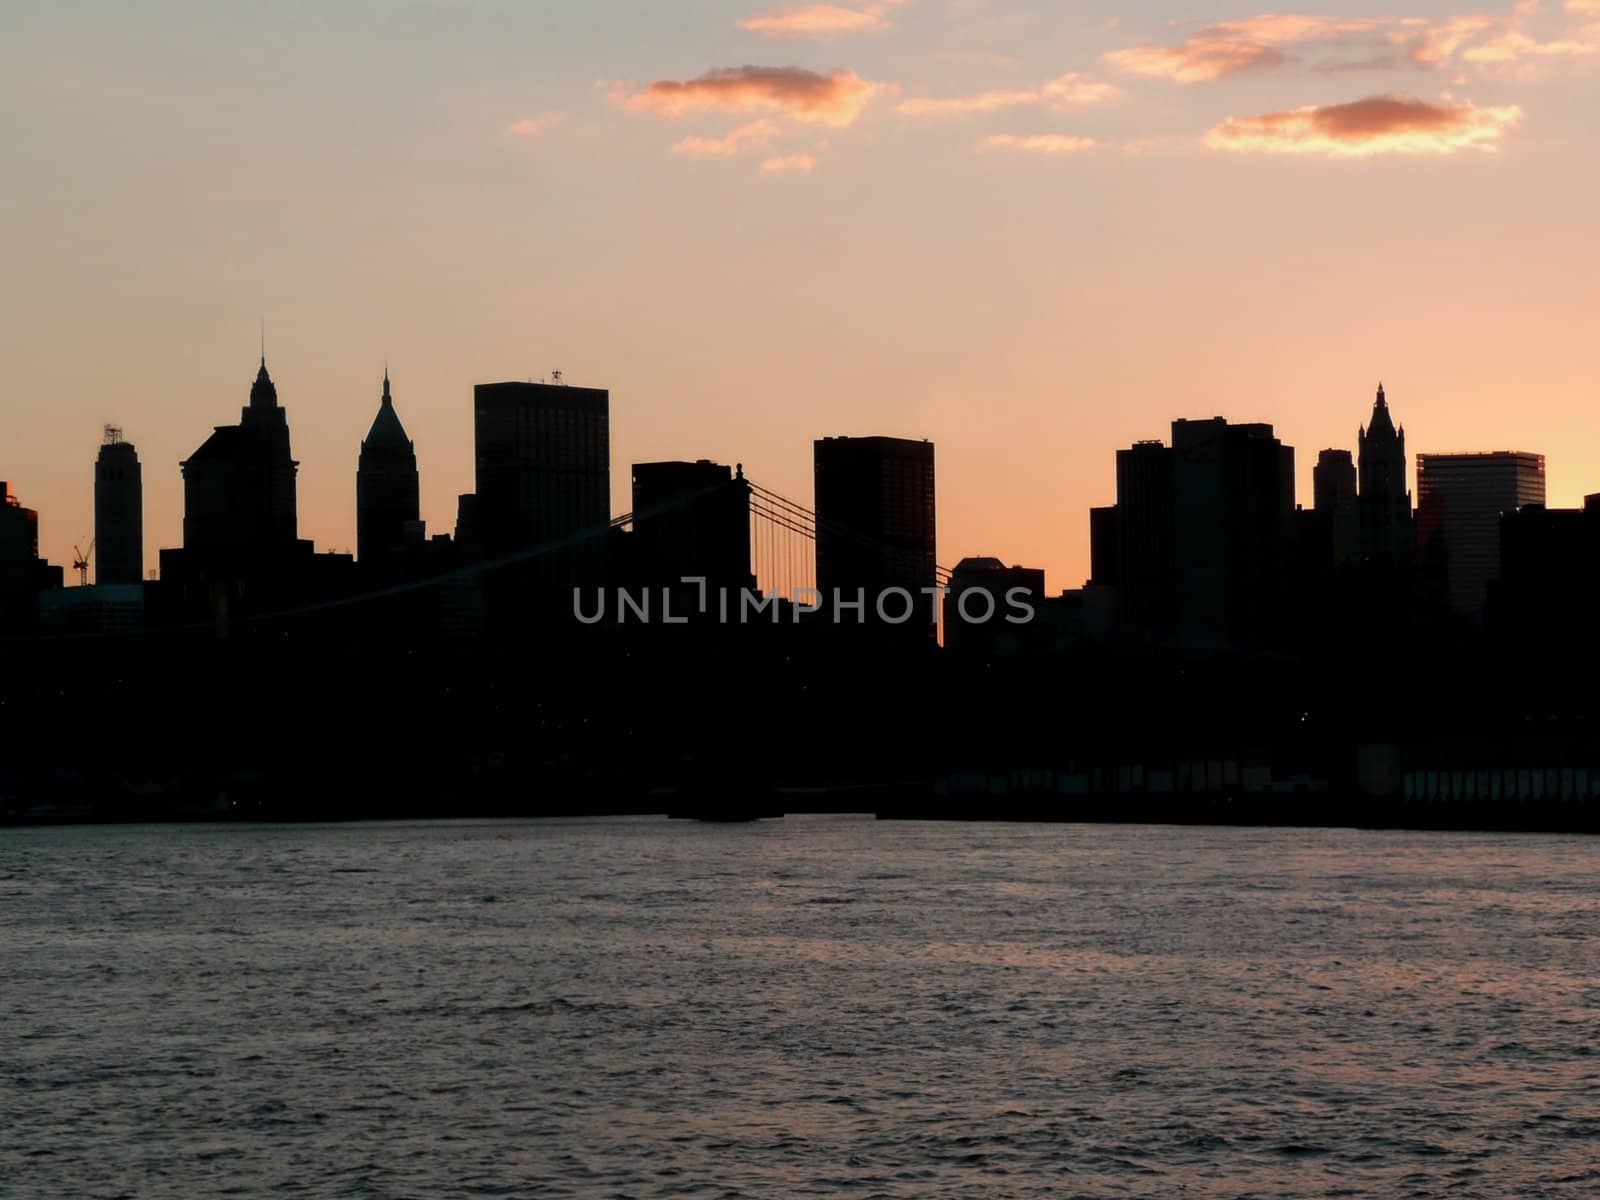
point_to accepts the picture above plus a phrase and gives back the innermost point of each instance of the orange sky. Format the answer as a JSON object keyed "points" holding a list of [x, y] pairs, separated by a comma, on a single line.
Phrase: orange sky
{"points": [[1032, 232]]}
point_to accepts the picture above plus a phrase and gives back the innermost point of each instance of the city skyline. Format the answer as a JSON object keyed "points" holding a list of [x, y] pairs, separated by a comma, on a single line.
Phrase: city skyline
{"points": [[1024, 310]]}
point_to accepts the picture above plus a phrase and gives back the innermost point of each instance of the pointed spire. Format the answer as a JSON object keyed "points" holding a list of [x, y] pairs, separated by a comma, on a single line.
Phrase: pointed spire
{"points": [[263, 393], [1382, 403], [387, 431]]}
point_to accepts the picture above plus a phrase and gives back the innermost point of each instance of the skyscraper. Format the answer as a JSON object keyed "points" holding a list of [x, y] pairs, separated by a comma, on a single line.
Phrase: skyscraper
{"points": [[876, 523], [1334, 500], [386, 485], [118, 512], [544, 480], [543, 461], [1385, 501], [1233, 527], [1460, 499], [1147, 588], [239, 487], [691, 520]]}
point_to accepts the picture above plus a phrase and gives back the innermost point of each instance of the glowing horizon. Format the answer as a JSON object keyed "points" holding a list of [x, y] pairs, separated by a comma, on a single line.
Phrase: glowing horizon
{"points": [[1030, 233]]}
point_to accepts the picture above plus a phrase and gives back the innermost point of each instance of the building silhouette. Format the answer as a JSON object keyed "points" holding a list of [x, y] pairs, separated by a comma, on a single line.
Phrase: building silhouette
{"points": [[543, 469], [1334, 493], [875, 518], [23, 574], [241, 553], [239, 487], [1385, 502], [1460, 501], [388, 513], [982, 595], [1233, 530], [1549, 571], [118, 512], [691, 520], [1138, 538]]}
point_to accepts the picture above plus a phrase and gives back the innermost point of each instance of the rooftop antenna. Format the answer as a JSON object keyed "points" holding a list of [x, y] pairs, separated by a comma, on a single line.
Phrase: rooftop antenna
{"points": [[113, 435], [556, 378]]}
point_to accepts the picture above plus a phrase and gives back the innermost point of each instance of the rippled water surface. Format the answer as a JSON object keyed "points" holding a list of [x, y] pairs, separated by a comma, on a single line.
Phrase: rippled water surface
{"points": [[815, 1006]]}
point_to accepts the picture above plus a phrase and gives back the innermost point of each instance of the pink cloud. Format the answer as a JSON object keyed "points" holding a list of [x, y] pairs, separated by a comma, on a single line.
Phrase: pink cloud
{"points": [[753, 133], [1067, 90], [815, 20], [1038, 143], [834, 99], [534, 126], [1376, 125]]}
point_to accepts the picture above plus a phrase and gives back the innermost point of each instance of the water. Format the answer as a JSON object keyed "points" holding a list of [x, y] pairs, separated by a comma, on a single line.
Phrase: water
{"points": [[808, 1007]]}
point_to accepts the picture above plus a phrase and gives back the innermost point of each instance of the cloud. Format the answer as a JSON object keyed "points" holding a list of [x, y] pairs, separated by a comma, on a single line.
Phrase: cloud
{"points": [[534, 126], [753, 133], [1074, 89], [981, 102], [835, 99], [1038, 143], [788, 164], [1376, 125], [815, 20], [1067, 90], [1228, 47], [1277, 40]]}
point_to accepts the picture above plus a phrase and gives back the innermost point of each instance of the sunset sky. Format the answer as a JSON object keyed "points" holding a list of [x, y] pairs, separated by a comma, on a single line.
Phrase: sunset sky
{"points": [[1030, 230]]}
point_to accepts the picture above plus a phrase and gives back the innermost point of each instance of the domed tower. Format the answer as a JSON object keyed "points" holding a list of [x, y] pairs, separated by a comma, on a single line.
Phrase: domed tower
{"points": [[386, 485], [1385, 501]]}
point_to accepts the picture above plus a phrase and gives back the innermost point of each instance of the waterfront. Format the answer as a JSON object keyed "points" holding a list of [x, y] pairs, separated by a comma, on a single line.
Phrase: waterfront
{"points": [[815, 1006]]}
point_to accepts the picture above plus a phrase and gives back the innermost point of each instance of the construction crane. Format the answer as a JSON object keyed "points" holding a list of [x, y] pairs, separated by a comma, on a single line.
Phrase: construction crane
{"points": [[80, 563]]}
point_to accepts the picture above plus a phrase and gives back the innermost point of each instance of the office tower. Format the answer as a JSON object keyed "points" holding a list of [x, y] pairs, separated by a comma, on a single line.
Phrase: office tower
{"points": [[1105, 554], [544, 480], [1385, 502], [1460, 499], [23, 574], [1549, 571], [1334, 501], [239, 488], [1147, 596], [118, 512], [387, 503], [1233, 527], [691, 520], [876, 524]]}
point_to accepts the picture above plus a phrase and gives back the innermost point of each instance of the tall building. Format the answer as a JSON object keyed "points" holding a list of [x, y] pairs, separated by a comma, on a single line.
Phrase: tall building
{"points": [[1144, 558], [1385, 501], [1334, 501], [1460, 500], [118, 512], [1233, 529], [387, 501], [23, 574], [691, 520], [1549, 571], [876, 523], [239, 487], [544, 478]]}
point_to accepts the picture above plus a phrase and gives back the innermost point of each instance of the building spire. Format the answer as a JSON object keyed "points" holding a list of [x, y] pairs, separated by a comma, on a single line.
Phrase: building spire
{"points": [[386, 398]]}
